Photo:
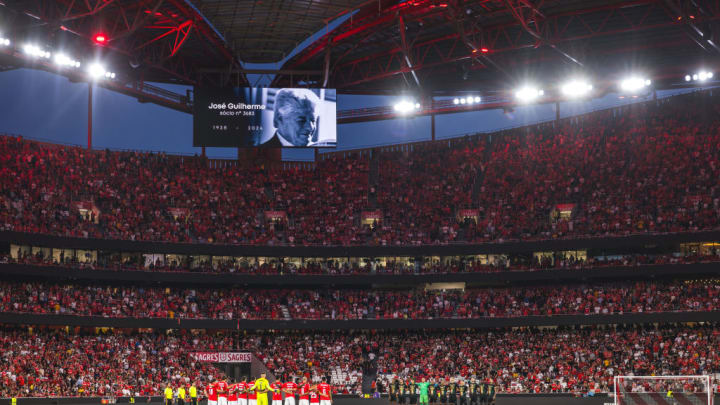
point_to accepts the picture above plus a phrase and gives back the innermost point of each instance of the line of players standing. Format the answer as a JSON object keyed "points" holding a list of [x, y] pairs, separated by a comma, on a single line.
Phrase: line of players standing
{"points": [[460, 392], [249, 393]]}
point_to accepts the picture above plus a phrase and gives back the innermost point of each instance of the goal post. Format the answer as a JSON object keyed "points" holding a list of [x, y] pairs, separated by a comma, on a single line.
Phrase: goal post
{"points": [[663, 390]]}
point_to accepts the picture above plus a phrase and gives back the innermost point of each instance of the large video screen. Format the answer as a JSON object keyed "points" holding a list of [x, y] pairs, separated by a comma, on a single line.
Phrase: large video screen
{"points": [[265, 117]]}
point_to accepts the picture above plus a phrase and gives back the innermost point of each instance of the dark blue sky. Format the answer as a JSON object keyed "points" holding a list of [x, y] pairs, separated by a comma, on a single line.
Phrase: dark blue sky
{"points": [[45, 106]]}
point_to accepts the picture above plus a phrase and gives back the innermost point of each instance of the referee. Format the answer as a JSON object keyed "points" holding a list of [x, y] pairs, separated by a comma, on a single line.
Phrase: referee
{"points": [[181, 395], [261, 388], [168, 395], [193, 394]]}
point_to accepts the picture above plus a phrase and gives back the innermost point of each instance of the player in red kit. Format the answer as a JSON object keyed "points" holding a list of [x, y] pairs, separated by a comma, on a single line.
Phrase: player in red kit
{"points": [[277, 394], [304, 392], [252, 395], [241, 387], [211, 393], [325, 391], [289, 388], [222, 389], [232, 394], [314, 397]]}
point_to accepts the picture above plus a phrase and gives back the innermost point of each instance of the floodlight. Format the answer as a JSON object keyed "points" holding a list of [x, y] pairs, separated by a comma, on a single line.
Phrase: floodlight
{"points": [[96, 71], [528, 93], [634, 83], [576, 88], [35, 51], [64, 60], [406, 107]]}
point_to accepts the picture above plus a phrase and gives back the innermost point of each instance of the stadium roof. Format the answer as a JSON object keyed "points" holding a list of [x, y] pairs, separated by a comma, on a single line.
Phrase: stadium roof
{"points": [[384, 46], [180, 41], [449, 45], [265, 31]]}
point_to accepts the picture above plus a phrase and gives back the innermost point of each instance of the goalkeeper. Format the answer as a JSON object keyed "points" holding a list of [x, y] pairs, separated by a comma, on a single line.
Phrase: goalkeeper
{"points": [[261, 388], [423, 385]]}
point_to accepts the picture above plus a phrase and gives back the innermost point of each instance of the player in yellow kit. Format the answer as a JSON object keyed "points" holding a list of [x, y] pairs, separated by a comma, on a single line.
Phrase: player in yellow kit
{"points": [[261, 388], [168, 395]]}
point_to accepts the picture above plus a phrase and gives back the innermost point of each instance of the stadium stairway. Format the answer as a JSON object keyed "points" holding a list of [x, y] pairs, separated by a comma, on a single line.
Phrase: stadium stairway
{"points": [[338, 376], [258, 367], [480, 171], [369, 374], [269, 193], [285, 312], [373, 179], [478, 182]]}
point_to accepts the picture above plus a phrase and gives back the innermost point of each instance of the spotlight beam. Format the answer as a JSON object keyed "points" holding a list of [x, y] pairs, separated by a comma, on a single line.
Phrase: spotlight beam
{"points": [[405, 49]]}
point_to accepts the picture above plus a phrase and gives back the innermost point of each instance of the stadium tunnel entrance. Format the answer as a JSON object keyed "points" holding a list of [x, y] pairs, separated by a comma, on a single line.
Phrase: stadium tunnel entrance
{"points": [[236, 371]]}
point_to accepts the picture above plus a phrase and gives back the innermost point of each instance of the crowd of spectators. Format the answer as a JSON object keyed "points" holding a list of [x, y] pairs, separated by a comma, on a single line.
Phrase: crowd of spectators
{"points": [[344, 304], [493, 264], [53, 362], [651, 168], [66, 362], [144, 196], [646, 168], [578, 360]]}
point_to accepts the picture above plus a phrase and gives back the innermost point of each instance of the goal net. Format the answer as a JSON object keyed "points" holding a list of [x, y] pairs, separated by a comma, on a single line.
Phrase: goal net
{"points": [[664, 390]]}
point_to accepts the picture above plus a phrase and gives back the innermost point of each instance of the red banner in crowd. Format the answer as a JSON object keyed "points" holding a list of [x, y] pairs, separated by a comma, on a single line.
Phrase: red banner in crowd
{"points": [[86, 207], [179, 212], [468, 213], [371, 215], [565, 207], [222, 357], [275, 214], [694, 199]]}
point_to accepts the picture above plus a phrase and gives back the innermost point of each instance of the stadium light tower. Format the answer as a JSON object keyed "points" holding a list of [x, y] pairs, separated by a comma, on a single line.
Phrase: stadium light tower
{"points": [[96, 71]]}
